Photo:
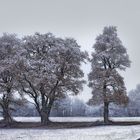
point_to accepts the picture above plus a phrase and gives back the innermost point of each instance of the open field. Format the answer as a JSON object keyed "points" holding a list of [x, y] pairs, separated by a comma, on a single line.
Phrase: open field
{"points": [[95, 133], [92, 133], [75, 119]]}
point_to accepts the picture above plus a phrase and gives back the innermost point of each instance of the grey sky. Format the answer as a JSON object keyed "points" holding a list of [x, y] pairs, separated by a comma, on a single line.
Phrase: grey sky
{"points": [[81, 19]]}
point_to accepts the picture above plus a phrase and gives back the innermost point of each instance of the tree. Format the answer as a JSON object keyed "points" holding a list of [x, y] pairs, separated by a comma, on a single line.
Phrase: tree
{"points": [[9, 49], [134, 94], [108, 58], [50, 69], [134, 102]]}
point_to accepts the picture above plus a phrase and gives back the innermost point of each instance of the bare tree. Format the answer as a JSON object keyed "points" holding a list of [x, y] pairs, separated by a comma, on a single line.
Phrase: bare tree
{"points": [[51, 69], [9, 45], [108, 58]]}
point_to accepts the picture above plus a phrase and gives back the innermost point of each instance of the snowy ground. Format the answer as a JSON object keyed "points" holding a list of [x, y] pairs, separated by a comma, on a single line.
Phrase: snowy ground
{"points": [[94, 133], [75, 119]]}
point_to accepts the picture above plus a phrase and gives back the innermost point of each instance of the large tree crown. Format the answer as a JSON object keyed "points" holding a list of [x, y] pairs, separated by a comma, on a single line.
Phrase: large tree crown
{"points": [[108, 57], [49, 59], [109, 50]]}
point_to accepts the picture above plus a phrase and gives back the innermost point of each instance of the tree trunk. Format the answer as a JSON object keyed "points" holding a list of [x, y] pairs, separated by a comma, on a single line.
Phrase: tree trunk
{"points": [[44, 118], [45, 113], [106, 112], [7, 116]]}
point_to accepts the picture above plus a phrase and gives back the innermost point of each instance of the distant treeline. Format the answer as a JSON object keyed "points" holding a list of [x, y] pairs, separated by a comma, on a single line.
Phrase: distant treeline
{"points": [[73, 107]]}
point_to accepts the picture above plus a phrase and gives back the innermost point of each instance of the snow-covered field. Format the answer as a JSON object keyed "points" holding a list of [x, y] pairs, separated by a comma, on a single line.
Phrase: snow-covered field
{"points": [[94, 133], [75, 119]]}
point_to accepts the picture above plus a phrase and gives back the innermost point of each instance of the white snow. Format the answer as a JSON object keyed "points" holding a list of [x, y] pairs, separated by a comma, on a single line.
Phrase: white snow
{"points": [[75, 119], [93, 133]]}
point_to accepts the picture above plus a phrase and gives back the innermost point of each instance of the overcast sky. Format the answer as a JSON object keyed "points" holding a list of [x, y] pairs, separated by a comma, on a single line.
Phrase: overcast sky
{"points": [[81, 19]]}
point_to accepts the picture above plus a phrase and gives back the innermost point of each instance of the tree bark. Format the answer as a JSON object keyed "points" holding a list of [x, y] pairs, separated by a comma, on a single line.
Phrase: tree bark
{"points": [[7, 118], [45, 113], [106, 105], [44, 118], [7, 115], [46, 107], [106, 112]]}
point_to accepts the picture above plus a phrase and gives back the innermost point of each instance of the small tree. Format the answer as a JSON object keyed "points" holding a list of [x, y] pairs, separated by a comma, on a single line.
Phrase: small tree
{"points": [[51, 69], [9, 48], [108, 57]]}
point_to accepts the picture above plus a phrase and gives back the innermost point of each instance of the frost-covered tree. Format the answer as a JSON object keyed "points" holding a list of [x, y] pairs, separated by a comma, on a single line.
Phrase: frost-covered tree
{"points": [[51, 68], [134, 102], [9, 49], [108, 58], [134, 94]]}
